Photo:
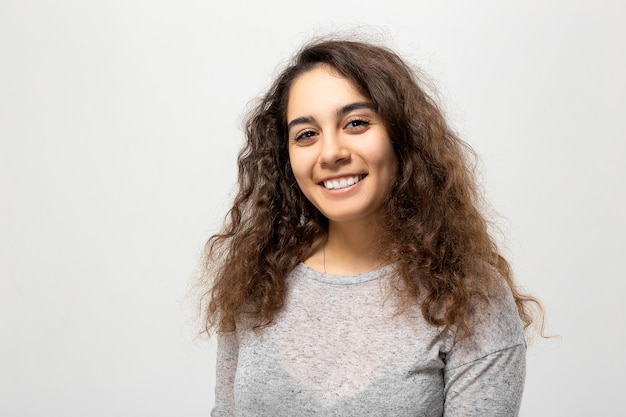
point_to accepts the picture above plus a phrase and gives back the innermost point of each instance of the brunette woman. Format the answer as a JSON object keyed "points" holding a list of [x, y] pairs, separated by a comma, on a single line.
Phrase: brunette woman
{"points": [[356, 275]]}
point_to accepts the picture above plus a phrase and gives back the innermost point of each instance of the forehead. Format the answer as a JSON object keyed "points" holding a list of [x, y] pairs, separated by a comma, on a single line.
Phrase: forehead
{"points": [[320, 90]]}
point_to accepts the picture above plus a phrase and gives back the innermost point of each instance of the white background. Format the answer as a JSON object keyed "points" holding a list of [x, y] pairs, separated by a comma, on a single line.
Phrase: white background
{"points": [[119, 129]]}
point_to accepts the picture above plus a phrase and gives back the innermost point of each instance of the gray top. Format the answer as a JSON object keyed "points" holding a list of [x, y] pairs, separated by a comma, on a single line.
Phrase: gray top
{"points": [[340, 348]]}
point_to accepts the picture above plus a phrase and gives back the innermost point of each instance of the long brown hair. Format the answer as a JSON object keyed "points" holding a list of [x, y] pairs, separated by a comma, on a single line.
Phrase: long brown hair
{"points": [[434, 232]]}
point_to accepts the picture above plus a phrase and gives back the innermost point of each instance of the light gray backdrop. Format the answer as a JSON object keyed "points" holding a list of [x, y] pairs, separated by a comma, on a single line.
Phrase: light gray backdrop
{"points": [[119, 129]]}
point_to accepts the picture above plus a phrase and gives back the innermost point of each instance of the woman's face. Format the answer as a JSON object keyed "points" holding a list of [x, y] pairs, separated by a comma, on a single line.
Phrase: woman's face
{"points": [[339, 149]]}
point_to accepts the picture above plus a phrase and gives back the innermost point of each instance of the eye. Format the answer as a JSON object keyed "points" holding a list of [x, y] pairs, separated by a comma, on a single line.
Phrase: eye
{"points": [[357, 124], [304, 136]]}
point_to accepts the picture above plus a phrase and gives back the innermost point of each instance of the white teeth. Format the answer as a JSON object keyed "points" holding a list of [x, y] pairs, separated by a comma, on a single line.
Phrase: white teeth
{"points": [[343, 183]]}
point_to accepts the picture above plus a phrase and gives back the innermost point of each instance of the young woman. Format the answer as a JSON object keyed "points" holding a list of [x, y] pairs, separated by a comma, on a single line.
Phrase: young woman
{"points": [[356, 275]]}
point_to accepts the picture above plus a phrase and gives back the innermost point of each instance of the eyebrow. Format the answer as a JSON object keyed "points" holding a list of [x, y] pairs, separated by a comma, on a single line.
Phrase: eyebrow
{"points": [[340, 112]]}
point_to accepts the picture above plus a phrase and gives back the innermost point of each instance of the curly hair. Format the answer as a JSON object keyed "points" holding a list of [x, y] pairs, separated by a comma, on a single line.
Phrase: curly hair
{"points": [[434, 232]]}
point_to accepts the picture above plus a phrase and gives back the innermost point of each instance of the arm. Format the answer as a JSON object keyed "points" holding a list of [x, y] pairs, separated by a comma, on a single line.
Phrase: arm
{"points": [[489, 386], [484, 373], [226, 368]]}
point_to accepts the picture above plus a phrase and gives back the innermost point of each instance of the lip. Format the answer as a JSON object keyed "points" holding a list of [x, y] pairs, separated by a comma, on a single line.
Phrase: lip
{"points": [[340, 178]]}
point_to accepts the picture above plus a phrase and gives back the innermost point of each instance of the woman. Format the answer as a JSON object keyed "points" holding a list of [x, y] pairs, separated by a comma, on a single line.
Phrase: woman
{"points": [[356, 275]]}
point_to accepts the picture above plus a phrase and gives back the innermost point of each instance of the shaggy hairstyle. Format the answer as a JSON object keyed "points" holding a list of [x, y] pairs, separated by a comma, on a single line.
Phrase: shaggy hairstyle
{"points": [[434, 232]]}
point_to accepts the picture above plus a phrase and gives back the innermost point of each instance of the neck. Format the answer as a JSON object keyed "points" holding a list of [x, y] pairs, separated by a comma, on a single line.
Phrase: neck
{"points": [[352, 248]]}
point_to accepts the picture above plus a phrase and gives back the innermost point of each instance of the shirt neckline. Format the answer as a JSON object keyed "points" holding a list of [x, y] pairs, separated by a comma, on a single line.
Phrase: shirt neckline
{"points": [[341, 279]]}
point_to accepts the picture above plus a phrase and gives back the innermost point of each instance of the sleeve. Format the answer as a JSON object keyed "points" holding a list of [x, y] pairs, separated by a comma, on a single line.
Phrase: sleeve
{"points": [[226, 368], [484, 373], [487, 387]]}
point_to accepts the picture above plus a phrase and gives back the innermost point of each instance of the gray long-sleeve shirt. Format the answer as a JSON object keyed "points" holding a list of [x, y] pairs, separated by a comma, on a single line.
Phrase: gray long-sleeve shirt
{"points": [[340, 348]]}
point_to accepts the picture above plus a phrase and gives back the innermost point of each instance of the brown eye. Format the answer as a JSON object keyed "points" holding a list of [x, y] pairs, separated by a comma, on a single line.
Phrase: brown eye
{"points": [[303, 136], [357, 124]]}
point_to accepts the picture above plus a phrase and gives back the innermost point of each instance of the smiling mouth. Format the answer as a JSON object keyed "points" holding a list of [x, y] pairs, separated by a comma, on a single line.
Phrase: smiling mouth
{"points": [[338, 184]]}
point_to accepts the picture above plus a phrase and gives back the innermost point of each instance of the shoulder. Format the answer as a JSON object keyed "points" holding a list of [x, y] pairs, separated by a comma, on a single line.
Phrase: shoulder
{"points": [[496, 326]]}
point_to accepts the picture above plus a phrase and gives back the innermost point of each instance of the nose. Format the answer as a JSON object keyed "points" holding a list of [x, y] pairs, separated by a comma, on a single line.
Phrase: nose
{"points": [[333, 151]]}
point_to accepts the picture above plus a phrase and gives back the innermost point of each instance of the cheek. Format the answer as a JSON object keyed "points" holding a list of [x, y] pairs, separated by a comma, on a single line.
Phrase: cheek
{"points": [[295, 166], [388, 161], [297, 171], [390, 167], [299, 164]]}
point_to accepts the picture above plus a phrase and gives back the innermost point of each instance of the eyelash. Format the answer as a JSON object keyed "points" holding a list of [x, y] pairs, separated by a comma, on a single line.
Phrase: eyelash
{"points": [[304, 135], [362, 123], [309, 133]]}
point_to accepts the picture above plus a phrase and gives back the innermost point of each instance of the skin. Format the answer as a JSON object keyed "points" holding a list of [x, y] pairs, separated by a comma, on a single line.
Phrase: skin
{"points": [[336, 134]]}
